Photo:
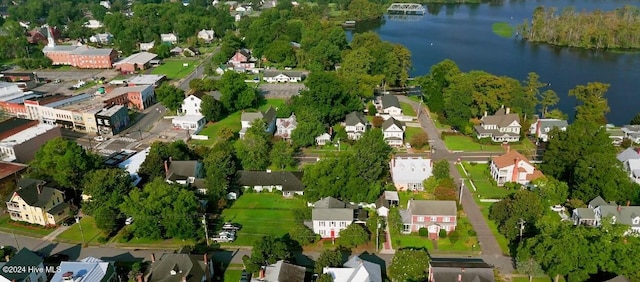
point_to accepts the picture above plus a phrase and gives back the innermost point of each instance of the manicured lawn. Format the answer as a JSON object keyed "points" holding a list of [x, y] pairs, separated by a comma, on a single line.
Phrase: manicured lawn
{"points": [[407, 109], [410, 132], [89, 229], [10, 226], [463, 244], [175, 69], [232, 121], [261, 214], [502, 29], [232, 275], [465, 143], [329, 149]]}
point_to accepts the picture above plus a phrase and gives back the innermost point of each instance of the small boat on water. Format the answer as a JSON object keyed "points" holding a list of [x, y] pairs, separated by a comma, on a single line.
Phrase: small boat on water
{"points": [[350, 24]]}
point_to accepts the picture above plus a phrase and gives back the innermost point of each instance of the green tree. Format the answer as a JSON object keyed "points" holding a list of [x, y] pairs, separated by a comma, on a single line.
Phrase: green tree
{"points": [[306, 133], [635, 120], [557, 114], [509, 211], [107, 187], [162, 50], [211, 109], [153, 165], [282, 154], [328, 258], [551, 191], [548, 99], [70, 160], [268, 250], [162, 210], [302, 235], [419, 140], [441, 169], [353, 236], [232, 88], [220, 166], [593, 105], [253, 150], [170, 96], [409, 265], [433, 84], [395, 221], [325, 277], [106, 218]]}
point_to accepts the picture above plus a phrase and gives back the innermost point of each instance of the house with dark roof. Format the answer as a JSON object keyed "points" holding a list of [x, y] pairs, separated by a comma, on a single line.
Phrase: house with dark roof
{"points": [[542, 127], [601, 210], [290, 183], [631, 132], [389, 105], [460, 269], [35, 203], [329, 216], [23, 260], [281, 271], [355, 270], [180, 268], [433, 215], [393, 132], [356, 124], [513, 167], [87, 269], [183, 172], [268, 116], [242, 60], [503, 126], [387, 200]]}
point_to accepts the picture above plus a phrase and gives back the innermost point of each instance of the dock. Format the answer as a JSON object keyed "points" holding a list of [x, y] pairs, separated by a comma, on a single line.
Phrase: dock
{"points": [[407, 9]]}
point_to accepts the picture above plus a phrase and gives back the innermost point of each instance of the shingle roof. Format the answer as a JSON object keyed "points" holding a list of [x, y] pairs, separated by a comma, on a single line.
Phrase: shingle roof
{"points": [[283, 271], [24, 258], [269, 115], [597, 201], [623, 214], [551, 123], [183, 264], [501, 118], [182, 169], [585, 213], [618, 278], [290, 181], [509, 158], [339, 214], [390, 100], [353, 118], [628, 154], [274, 73], [461, 269], [428, 207], [28, 191], [391, 121], [329, 203]]}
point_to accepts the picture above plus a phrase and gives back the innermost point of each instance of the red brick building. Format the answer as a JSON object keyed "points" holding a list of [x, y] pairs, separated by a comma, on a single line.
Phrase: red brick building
{"points": [[135, 62], [138, 97], [83, 57]]}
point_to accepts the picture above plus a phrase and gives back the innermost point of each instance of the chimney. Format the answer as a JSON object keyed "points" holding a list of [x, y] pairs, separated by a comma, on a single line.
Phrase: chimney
{"points": [[619, 208], [7, 258], [262, 273], [459, 277], [39, 188], [628, 203], [507, 110], [139, 278], [166, 168], [206, 260], [153, 257], [514, 175], [485, 113], [184, 278]]}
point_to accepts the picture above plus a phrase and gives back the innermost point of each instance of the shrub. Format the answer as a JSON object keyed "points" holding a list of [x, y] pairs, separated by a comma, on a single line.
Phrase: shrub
{"points": [[454, 236], [472, 233], [102, 240], [423, 232], [443, 233]]}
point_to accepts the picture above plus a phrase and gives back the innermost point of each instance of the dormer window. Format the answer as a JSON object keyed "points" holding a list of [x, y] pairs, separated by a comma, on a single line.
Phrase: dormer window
{"points": [[636, 220], [613, 219]]}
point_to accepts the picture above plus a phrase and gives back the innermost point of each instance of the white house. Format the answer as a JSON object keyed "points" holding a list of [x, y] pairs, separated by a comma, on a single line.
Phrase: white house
{"points": [[632, 132], [330, 216], [169, 38], [102, 38], [207, 35], [105, 4], [323, 139], [247, 119], [542, 127], [356, 124], [393, 132], [147, 46], [503, 126], [93, 24], [286, 126], [409, 171], [289, 183], [192, 123], [598, 209], [273, 76], [387, 200], [191, 106], [355, 270], [513, 167], [244, 9], [389, 105]]}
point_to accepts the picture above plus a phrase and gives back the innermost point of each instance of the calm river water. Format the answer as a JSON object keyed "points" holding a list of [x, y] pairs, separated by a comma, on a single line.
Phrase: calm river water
{"points": [[463, 34]]}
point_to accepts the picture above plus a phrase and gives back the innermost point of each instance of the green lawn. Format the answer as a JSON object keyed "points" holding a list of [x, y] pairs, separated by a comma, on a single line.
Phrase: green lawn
{"points": [[407, 109], [535, 279], [405, 196], [175, 69], [10, 226], [502, 29], [464, 244], [232, 121], [232, 275], [89, 229], [465, 143], [410, 132], [261, 214], [329, 149]]}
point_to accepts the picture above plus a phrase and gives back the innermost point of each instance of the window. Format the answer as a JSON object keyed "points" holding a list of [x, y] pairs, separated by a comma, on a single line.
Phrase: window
{"points": [[420, 218], [332, 224], [321, 223], [343, 224], [434, 219], [445, 219], [322, 232]]}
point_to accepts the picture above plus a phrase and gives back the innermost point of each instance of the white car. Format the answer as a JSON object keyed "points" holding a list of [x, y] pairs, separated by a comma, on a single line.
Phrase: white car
{"points": [[557, 208], [128, 221]]}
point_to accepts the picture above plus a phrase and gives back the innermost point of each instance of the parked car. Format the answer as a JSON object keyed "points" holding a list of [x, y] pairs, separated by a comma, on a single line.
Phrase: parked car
{"points": [[557, 208], [231, 226], [69, 221], [128, 221], [245, 276], [223, 237]]}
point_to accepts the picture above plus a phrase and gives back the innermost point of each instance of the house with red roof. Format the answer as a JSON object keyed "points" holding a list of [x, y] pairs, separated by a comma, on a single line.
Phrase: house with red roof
{"points": [[513, 167]]}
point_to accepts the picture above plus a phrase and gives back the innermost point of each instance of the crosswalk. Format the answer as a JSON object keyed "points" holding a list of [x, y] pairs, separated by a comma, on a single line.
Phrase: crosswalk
{"points": [[127, 139]]}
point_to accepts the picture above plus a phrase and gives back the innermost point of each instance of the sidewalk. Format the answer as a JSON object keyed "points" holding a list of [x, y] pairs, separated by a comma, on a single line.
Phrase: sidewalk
{"points": [[52, 236], [386, 247]]}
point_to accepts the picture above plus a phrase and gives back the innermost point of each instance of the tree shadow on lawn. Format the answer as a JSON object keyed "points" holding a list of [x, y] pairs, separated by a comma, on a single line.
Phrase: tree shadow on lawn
{"points": [[221, 261]]}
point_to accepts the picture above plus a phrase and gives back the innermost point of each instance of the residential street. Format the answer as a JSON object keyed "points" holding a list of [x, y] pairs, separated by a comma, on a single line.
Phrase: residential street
{"points": [[491, 251]]}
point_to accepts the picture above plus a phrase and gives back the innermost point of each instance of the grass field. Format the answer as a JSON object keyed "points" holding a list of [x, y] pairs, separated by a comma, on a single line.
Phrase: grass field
{"points": [[10, 226], [232, 121], [407, 109], [410, 132], [502, 29], [261, 214], [466, 143], [175, 69], [89, 229], [232, 275]]}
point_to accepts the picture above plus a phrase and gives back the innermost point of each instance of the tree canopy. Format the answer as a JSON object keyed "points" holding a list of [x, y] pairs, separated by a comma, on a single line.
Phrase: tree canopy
{"points": [[170, 96], [409, 265]]}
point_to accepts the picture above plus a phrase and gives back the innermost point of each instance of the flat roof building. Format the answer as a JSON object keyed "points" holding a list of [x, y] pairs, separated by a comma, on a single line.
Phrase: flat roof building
{"points": [[22, 146]]}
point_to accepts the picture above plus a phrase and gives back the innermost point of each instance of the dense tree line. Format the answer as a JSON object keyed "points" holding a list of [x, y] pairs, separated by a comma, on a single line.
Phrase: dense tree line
{"points": [[617, 29]]}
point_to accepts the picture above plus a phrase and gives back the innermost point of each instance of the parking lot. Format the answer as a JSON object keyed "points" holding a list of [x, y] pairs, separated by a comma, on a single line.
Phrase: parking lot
{"points": [[280, 90], [70, 78]]}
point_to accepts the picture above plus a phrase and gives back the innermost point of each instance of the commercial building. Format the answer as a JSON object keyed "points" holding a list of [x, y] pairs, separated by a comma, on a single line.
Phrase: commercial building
{"points": [[146, 79], [80, 56], [112, 120], [12, 99], [138, 97], [135, 62], [22, 146]]}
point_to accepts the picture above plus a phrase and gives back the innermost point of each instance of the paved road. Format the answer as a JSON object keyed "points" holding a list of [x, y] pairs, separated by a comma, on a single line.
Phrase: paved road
{"points": [[197, 73], [491, 251], [150, 117]]}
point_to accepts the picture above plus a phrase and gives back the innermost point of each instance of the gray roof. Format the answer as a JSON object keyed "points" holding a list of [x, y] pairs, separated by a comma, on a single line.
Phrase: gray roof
{"points": [[274, 73], [501, 118], [329, 203], [290, 181], [283, 271], [628, 154], [390, 100], [391, 196], [179, 170], [585, 213], [267, 116], [93, 51], [339, 214], [353, 118], [623, 214], [428, 207], [138, 58], [28, 191], [391, 121], [89, 269], [24, 258], [461, 269], [596, 202], [618, 278], [191, 266], [630, 128], [373, 269]]}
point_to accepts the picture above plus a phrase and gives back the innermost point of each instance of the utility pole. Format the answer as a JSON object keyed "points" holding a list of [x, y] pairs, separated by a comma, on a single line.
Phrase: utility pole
{"points": [[140, 131], [206, 232], [81, 232], [15, 238], [521, 222], [461, 187]]}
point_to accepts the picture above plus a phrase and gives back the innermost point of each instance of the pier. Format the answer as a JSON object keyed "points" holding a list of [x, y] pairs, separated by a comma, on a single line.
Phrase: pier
{"points": [[407, 9]]}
